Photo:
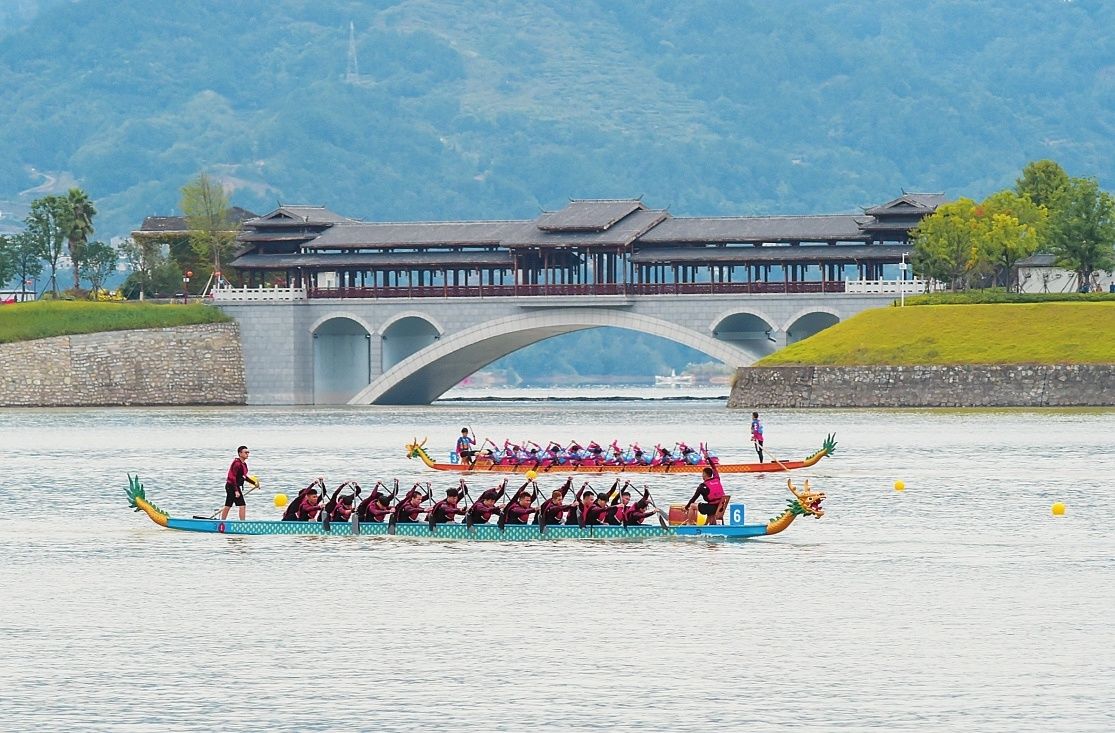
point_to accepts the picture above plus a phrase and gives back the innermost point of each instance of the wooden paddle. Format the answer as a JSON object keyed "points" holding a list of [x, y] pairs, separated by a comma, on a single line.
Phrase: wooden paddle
{"points": [[661, 516]]}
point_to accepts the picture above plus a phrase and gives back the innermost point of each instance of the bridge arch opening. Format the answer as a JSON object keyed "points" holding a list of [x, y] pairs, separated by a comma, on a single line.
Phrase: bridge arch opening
{"points": [[422, 377], [342, 360], [747, 331], [406, 337], [810, 324]]}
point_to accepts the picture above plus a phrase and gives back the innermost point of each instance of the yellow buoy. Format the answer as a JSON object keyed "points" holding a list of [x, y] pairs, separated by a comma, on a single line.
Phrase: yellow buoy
{"points": [[281, 500], [702, 520], [899, 486], [1058, 509], [531, 475]]}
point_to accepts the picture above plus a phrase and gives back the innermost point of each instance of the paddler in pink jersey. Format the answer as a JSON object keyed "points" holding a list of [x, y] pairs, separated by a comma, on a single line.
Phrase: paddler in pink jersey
{"points": [[710, 490]]}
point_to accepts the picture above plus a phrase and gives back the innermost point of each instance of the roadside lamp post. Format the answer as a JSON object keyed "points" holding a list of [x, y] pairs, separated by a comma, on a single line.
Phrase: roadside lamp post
{"points": [[186, 286], [902, 283]]}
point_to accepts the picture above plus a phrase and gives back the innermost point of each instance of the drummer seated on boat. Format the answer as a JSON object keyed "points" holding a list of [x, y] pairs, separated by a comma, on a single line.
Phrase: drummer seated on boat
{"points": [[466, 447], [712, 493], [445, 510]]}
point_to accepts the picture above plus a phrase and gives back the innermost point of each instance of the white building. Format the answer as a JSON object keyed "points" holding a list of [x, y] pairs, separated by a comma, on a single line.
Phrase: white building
{"points": [[1040, 274]]}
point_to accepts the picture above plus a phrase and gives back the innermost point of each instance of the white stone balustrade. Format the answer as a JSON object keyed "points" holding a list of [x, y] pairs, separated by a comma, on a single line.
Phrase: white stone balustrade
{"points": [[910, 287], [240, 295]]}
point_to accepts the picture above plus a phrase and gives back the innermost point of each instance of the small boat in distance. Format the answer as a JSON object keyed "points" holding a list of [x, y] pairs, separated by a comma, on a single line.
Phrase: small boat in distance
{"points": [[674, 380]]}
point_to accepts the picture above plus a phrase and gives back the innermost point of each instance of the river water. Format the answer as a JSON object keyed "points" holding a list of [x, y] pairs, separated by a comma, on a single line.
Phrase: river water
{"points": [[959, 604]]}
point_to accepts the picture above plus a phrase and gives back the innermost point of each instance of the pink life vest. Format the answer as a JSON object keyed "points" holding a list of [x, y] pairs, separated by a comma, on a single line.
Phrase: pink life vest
{"points": [[715, 490]]}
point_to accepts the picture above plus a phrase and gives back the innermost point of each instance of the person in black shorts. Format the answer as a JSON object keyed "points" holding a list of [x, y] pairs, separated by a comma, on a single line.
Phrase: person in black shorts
{"points": [[234, 484]]}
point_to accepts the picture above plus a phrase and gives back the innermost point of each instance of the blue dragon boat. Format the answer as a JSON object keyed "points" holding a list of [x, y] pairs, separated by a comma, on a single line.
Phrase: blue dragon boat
{"points": [[804, 503]]}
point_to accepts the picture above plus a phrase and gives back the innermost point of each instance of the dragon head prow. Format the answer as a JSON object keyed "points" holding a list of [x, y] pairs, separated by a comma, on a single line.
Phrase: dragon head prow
{"points": [[807, 501], [415, 449], [137, 499]]}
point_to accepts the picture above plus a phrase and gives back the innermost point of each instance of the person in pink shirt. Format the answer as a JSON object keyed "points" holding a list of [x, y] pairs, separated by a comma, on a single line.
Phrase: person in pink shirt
{"points": [[710, 491]]}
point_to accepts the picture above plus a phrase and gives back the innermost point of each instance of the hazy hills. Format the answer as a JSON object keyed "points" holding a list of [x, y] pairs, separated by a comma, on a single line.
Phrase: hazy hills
{"points": [[499, 108], [474, 108]]}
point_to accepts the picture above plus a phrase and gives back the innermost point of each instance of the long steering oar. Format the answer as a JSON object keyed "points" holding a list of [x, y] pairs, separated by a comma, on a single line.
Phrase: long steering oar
{"points": [[772, 457]]}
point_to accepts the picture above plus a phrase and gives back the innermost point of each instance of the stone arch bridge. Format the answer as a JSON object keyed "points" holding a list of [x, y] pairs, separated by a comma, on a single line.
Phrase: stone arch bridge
{"points": [[408, 351]]}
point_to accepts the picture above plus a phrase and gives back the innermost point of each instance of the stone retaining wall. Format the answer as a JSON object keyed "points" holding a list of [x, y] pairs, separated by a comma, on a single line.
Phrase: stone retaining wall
{"points": [[185, 365], [925, 386]]}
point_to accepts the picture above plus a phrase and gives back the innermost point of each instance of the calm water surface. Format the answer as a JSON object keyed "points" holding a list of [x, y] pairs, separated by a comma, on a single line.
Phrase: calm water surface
{"points": [[960, 604]]}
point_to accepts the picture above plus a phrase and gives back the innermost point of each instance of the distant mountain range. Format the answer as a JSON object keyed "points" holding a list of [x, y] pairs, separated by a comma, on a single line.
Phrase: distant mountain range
{"points": [[489, 109], [478, 109]]}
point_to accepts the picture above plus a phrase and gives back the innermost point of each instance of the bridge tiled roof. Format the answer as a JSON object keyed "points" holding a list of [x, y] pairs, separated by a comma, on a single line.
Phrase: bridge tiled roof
{"points": [[377, 260], [915, 203], [413, 234], [774, 254], [619, 234], [298, 215], [588, 215], [759, 229]]}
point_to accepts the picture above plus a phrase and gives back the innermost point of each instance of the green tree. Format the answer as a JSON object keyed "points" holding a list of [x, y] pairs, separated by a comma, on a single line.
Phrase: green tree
{"points": [[79, 227], [7, 262], [208, 218], [1041, 180], [46, 224], [1081, 230], [23, 253], [98, 263], [947, 244], [1012, 227], [145, 257]]}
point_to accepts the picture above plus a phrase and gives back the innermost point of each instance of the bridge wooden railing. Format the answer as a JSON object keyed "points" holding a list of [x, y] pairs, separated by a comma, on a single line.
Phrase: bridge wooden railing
{"points": [[599, 289]]}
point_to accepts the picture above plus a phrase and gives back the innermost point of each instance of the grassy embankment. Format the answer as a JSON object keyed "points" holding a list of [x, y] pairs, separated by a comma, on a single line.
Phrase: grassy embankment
{"points": [[42, 319], [1078, 332]]}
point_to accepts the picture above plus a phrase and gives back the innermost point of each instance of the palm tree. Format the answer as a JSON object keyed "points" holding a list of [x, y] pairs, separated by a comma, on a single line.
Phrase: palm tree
{"points": [[79, 227]]}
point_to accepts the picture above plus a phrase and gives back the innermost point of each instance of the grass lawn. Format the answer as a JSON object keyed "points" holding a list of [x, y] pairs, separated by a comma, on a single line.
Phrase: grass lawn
{"points": [[1022, 333], [41, 319]]}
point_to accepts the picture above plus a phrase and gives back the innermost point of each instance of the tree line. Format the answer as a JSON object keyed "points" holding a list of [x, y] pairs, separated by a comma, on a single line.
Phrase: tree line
{"points": [[967, 243], [63, 224]]}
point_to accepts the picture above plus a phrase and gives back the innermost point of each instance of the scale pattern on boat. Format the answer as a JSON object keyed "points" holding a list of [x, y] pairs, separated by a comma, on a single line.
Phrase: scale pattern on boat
{"points": [[511, 532]]}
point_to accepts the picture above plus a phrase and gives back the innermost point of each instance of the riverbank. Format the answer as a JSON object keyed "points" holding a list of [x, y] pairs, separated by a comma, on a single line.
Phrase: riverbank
{"points": [[931, 335], [185, 365], [48, 318], [986, 355]]}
